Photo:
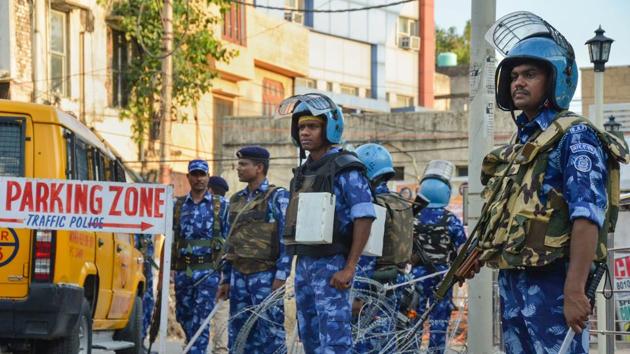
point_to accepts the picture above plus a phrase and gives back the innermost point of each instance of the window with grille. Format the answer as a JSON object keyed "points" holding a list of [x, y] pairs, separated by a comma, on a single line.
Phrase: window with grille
{"points": [[58, 53], [273, 93], [12, 148], [122, 53], [234, 25], [82, 161]]}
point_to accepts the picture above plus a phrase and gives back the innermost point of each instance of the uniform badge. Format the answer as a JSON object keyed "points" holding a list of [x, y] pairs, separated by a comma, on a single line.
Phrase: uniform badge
{"points": [[583, 163]]}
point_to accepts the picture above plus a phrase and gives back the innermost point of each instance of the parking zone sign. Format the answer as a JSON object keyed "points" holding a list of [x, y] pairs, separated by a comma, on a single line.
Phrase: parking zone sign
{"points": [[84, 205]]}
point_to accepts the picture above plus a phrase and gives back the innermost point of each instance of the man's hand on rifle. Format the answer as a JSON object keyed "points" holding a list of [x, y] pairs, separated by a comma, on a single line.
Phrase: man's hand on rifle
{"points": [[577, 308], [475, 267]]}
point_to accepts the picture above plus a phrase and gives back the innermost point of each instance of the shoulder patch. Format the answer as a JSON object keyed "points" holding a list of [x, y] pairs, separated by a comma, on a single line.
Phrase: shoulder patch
{"points": [[582, 147], [577, 128], [583, 163]]}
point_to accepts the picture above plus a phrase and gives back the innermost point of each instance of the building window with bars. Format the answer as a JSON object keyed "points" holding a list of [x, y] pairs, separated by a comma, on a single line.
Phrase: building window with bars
{"points": [[122, 53], [58, 53], [273, 93], [234, 24]]}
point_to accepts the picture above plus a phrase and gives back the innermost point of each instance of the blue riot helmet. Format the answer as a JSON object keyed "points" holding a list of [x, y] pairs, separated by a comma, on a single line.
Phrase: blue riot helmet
{"points": [[525, 37], [377, 160], [436, 191], [317, 105]]}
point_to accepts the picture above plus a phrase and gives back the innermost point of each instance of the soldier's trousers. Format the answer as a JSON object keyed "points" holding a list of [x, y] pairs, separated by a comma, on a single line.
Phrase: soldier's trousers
{"points": [[532, 311], [148, 301], [247, 291], [441, 314], [194, 304], [323, 312]]}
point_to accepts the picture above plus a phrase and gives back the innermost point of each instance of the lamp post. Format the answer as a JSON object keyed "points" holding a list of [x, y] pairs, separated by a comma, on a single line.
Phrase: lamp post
{"points": [[614, 128], [599, 50]]}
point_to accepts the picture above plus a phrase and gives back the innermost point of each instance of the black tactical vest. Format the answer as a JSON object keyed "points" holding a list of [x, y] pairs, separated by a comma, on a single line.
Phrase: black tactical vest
{"points": [[434, 240], [319, 176]]}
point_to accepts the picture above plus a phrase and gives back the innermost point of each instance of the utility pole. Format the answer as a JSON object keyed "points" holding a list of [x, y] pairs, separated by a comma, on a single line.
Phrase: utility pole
{"points": [[167, 91], [481, 137]]}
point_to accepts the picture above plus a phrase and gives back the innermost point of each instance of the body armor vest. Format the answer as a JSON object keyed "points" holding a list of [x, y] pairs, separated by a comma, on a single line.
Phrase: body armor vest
{"points": [[435, 241], [252, 245], [319, 176], [518, 229], [398, 238], [184, 260]]}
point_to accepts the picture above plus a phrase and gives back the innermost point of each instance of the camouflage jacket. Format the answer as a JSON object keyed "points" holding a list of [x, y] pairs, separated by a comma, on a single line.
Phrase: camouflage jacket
{"points": [[517, 229], [252, 245]]}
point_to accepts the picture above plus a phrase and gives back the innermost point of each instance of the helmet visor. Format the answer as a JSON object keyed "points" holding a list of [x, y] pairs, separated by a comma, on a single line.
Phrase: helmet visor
{"points": [[317, 103], [512, 28]]}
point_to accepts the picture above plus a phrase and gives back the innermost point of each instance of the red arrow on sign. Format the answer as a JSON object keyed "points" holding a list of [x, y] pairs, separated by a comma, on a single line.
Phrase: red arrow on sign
{"points": [[17, 221], [142, 226]]}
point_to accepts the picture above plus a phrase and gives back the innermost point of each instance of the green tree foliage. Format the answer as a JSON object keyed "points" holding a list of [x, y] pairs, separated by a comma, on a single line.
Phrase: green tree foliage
{"points": [[450, 41], [195, 50]]}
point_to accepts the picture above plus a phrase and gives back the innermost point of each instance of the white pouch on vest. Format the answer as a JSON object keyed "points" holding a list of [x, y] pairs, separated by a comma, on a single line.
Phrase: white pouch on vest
{"points": [[315, 218], [374, 246]]}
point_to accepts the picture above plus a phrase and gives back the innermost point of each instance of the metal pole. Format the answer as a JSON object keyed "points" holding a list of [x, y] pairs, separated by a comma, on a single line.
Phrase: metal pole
{"points": [[166, 264], [598, 117], [610, 303], [481, 136], [167, 91]]}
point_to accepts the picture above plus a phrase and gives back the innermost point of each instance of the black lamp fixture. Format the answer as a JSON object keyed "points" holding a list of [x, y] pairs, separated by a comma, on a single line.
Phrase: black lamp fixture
{"points": [[599, 49], [611, 126]]}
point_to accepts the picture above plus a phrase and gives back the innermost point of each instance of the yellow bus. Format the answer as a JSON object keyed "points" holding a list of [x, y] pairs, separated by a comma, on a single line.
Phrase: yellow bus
{"points": [[64, 291]]}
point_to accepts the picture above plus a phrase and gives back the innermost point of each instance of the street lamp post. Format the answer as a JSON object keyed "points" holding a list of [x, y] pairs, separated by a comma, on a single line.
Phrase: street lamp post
{"points": [[599, 50]]}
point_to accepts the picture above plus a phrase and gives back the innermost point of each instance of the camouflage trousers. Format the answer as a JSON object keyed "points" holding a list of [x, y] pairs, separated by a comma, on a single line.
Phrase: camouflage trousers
{"points": [[441, 314], [148, 300], [323, 312], [247, 291], [532, 311], [193, 304]]}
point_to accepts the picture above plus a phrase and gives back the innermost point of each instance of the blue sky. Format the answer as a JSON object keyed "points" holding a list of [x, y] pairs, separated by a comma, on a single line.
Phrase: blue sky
{"points": [[576, 20]]}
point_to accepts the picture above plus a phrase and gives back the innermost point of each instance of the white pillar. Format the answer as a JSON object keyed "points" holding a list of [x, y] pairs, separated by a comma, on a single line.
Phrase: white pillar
{"points": [[481, 137]]}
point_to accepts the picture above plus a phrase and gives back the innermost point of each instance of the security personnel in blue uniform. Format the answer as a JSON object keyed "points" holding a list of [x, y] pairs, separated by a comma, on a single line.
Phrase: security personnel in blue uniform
{"points": [[555, 190], [390, 267], [217, 185], [324, 273], [257, 261], [438, 234], [200, 225], [145, 244]]}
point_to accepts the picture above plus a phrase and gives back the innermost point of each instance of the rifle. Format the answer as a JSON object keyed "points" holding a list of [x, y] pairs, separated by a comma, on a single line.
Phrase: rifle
{"points": [[591, 286]]}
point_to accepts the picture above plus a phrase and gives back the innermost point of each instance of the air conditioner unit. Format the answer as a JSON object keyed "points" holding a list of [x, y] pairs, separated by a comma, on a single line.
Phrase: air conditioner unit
{"points": [[409, 42], [293, 16], [404, 42]]}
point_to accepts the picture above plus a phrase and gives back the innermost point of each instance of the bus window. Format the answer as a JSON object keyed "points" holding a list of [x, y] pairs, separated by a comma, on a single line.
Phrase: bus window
{"points": [[99, 174], [70, 168], [108, 169], [82, 161], [12, 147], [120, 172]]}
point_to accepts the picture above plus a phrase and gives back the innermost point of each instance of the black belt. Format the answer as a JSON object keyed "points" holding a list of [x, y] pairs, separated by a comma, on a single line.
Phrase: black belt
{"points": [[184, 261]]}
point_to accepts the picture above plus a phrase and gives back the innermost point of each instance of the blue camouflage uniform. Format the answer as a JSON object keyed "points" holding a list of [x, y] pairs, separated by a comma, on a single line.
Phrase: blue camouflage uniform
{"points": [[324, 313], [577, 167], [195, 293], [441, 314], [145, 244], [247, 290]]}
